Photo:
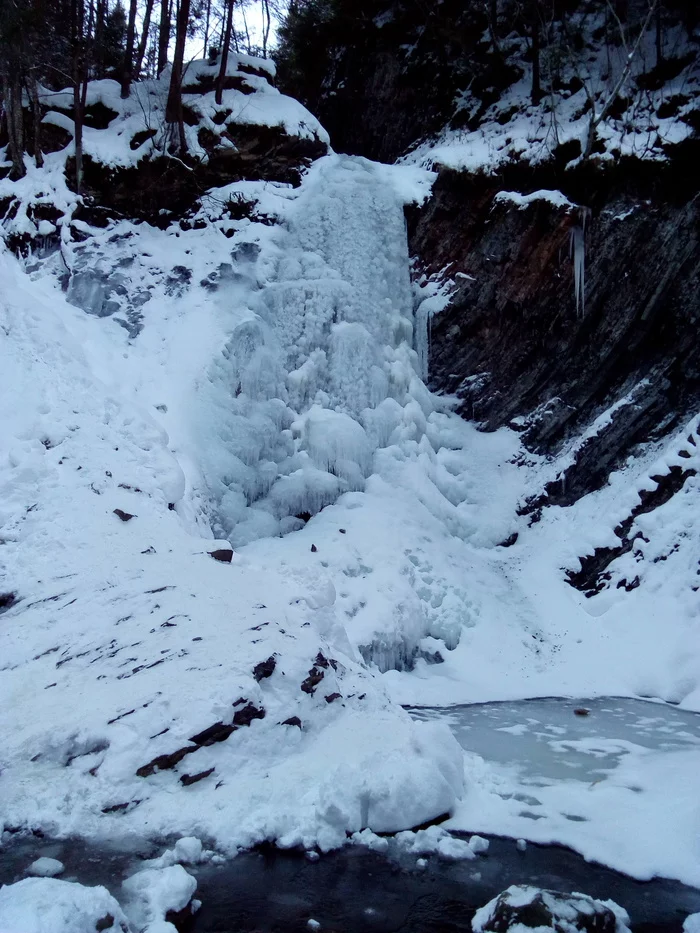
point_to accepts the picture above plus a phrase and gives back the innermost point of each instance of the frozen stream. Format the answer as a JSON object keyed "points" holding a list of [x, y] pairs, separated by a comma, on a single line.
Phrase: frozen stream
{"points": [[545, 740], [617, 782]]}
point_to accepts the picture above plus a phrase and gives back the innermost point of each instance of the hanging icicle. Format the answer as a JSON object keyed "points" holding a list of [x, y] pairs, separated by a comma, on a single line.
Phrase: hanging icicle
{"points": [[577, 252]]}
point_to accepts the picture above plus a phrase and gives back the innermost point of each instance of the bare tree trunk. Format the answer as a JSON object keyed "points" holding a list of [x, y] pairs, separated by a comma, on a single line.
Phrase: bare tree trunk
{"points": [[33, 90], [164, 34], [206, 29], [536, 93], [493, 25], [128, 64], [224, 52], [247, 34], [596, 119], [100, 20], [12, 93], [143, 42], [659, 37], [267, 23], [173, 110], [77, 14]]}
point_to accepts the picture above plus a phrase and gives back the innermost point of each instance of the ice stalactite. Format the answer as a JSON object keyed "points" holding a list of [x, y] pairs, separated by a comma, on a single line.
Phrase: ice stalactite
{"points": [[577, 251]]}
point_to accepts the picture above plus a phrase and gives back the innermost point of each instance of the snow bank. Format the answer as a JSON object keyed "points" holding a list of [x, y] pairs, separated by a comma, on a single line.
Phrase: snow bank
{"points": [[151, 894], [45, 905]]}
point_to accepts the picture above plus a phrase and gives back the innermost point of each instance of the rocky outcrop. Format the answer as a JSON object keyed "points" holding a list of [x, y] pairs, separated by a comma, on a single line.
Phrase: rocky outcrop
{"points": [[511, 344]]}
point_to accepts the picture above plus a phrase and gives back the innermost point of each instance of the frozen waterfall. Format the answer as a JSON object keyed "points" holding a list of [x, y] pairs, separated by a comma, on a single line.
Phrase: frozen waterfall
{"points": [[319, 370]]}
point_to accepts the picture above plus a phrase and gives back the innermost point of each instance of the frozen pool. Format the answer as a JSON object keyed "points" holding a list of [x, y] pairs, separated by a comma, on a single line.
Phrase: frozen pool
{"points": [[620, 784], [546, 738]]}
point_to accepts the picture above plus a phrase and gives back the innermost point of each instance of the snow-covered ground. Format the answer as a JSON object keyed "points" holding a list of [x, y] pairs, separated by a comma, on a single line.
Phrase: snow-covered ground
{"points": [[641, 110], [262, 389]]}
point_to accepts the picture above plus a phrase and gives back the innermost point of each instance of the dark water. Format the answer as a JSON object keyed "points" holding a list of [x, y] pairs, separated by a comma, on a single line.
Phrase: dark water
{"points": [[357, 891]]}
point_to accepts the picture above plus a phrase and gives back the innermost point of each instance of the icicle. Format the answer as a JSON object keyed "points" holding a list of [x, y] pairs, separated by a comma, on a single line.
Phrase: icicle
{"points": [[577, 251]]}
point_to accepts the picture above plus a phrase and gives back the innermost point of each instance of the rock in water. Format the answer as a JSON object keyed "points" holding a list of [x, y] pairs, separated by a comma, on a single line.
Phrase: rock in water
{"points": [[523, 906]]}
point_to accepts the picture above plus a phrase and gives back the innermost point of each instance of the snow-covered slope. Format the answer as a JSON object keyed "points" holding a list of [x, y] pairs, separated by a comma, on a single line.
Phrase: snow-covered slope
{"points": [[126, 638], [255, 383]]}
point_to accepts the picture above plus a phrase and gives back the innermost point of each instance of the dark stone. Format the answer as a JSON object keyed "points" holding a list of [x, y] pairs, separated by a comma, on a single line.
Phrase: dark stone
{"points": [[581, 711], [219, 732], [292, 721], [125, 516], [313, 549], [550, 910], [332, 697], [138, 139], [265, 668], [510, 540], [316, 675], [165, 762], [182, 920], [188, 779], [225, 555], [244, 716], [7, 600], [104, 923]]}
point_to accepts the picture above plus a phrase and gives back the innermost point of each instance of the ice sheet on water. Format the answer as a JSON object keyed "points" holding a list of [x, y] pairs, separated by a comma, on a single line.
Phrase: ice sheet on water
{"points": [[599, 782]]}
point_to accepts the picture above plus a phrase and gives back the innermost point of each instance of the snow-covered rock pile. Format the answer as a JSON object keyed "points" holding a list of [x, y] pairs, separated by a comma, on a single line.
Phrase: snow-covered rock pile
{"points": [[526, 908]]}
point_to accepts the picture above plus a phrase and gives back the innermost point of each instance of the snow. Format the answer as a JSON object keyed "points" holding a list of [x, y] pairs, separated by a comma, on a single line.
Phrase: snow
{"points": [[258, 386], [565, 910], [45, 867], [102, 428], [46, 905], [513, 129], [150, 894], [521, 201], [692, 924], [144, 110]]}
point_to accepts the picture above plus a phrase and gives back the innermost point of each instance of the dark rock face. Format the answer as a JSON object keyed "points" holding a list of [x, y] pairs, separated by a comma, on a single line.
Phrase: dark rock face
{"points": [[594, 574], [511, 344], [535, 908]]}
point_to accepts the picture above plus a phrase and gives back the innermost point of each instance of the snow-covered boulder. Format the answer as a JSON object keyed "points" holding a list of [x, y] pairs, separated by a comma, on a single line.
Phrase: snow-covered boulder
{"points": [[534, 908]]}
